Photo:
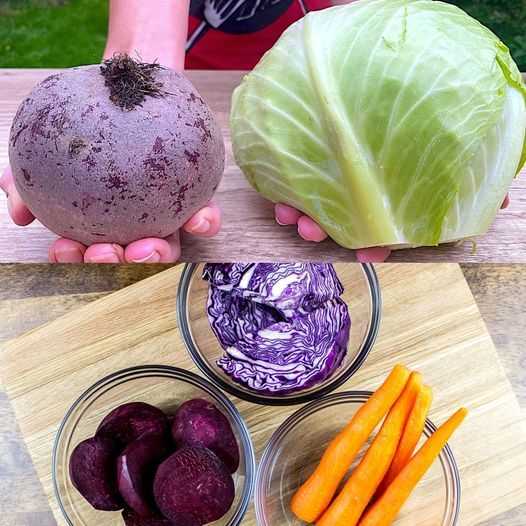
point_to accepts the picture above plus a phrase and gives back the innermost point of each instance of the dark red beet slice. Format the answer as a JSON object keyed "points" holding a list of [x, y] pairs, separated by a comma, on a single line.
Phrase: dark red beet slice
{"points": [[92, 471], [136, 468], [198, 422], [193, 487], [133, 519], [128, 422]]}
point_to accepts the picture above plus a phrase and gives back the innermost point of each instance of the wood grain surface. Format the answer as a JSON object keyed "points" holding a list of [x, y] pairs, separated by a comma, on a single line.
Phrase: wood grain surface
{"points": [[443, 336], [500, 292], [249, 230]]}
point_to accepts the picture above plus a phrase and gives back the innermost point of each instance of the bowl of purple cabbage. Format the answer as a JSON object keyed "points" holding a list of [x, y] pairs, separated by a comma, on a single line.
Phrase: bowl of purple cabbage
{"points": [[279, 333], [153, 446]]}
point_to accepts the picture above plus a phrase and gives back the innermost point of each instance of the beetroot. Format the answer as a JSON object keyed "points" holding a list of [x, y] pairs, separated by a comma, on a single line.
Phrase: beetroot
{"points": [[129, 421], [115, 153], [193, 487], [198, 422], [136, 467], [133, 519], [92, 472]]}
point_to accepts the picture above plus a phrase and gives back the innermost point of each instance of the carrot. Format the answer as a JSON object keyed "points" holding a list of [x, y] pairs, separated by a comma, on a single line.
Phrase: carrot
{"points": [[348, 506], [315, 494], [410, 437], [386, 508]]}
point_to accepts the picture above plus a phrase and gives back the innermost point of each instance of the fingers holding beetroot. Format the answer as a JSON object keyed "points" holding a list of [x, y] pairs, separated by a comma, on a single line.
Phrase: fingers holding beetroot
{"points": [[103, 253], [66, 251], [204, 223], [18, 211], [153, 250]]}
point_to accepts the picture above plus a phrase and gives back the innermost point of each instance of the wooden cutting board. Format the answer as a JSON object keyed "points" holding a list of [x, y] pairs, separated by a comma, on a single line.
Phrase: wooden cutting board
{"points": [[430, 322], [249, 231]]}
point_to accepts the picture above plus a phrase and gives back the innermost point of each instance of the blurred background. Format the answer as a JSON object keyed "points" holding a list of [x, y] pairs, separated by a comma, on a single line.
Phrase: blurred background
{"points": [[64, 33]]}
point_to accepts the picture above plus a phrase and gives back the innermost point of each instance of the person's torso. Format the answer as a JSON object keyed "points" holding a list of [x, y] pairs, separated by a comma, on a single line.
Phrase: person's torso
{"points": [[234, 34]]}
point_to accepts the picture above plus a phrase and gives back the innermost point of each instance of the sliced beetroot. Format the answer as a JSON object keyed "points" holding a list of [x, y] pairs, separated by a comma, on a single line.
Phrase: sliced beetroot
{"points": [[193, 487], [128, 422], [133, 519], [136, 468], [92, 471], [198, 422]]}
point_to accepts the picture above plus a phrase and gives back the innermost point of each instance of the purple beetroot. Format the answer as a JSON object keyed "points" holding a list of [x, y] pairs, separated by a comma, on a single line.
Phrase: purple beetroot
{"points": [[198, 422], [136, 467], [115, 152], [129, 421], [193, 487], [92, 471]]}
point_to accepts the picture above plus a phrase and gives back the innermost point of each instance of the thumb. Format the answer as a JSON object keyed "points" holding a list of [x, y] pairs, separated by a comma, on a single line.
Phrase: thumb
{"points": [[18, 211]]}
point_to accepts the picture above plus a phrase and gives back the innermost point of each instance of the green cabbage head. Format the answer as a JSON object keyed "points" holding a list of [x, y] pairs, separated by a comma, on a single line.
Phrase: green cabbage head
{"points": [[390, 122]]}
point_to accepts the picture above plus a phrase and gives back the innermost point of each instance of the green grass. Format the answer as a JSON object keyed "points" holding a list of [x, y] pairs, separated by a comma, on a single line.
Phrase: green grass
{"points": [[63, 33], [52, 34], [507, 19]]}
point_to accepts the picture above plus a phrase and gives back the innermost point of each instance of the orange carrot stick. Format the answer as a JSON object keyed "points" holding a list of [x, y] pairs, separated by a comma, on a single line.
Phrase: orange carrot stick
{"points": [[348, 506], [386, 508], [313, 497], [410, 437]]}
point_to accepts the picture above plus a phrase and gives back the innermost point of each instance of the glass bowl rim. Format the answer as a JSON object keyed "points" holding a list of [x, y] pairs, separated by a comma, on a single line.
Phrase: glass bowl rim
{"points": [[446, 457], [373, 285], [174, 373]]}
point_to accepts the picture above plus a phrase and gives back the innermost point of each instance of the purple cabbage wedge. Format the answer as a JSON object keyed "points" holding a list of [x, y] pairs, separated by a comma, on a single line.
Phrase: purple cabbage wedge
{"points": [[284, 326]]}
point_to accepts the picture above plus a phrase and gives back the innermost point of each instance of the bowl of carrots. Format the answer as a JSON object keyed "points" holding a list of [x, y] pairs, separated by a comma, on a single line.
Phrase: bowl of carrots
{"points": [[361, 458]]}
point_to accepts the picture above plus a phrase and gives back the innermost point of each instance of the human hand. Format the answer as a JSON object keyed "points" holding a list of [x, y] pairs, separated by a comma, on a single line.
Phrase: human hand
{"points": [[309, 230], [204, 223]]}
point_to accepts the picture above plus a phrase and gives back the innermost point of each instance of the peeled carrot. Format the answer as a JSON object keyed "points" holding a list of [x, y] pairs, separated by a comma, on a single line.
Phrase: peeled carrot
{"points": [[316, 493], [348, 506], [410, 437], [386, 508]]}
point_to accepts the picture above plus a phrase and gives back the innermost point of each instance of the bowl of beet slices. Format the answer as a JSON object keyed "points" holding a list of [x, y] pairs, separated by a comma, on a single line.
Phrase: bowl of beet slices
{"points": [[153, 446]]}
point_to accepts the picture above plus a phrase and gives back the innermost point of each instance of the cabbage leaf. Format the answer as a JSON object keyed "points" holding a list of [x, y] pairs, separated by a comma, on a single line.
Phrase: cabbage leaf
{"points": [[283, 326]]}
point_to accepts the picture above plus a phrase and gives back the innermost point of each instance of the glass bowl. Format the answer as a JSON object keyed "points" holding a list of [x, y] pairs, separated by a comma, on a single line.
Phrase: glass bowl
{"points": [[164, 387], [298, 444], [362, 297]]}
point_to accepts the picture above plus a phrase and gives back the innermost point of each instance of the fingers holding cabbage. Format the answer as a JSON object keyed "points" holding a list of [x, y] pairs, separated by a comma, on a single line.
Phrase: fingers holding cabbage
{"points": [[389, 122]]}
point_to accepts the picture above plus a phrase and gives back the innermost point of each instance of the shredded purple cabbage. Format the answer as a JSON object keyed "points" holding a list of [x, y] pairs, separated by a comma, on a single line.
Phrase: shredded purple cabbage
{"points": [[283, 326]]}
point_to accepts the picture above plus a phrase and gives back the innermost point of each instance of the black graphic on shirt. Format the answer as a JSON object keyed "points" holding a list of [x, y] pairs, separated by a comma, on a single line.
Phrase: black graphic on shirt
{"points": [[235, 16]]}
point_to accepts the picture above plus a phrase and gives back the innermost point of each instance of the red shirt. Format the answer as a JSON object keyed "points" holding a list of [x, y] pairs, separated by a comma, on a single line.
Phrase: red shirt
{"points": [[234, 34]]}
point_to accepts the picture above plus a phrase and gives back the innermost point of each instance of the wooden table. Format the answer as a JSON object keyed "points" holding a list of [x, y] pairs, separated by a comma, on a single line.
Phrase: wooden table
{"points": [[31, 295], [249, 231]]}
